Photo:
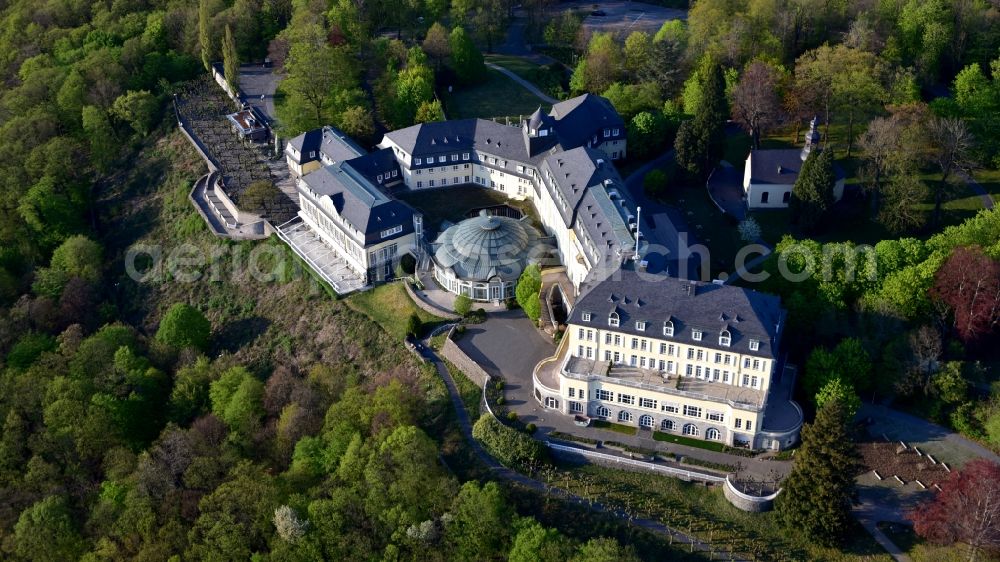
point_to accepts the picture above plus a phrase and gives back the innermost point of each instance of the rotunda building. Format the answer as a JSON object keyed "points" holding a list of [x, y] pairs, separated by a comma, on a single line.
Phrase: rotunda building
{"points": [[482, 257]]}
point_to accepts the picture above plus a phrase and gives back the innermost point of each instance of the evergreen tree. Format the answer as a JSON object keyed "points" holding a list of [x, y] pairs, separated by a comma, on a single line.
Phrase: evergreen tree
{"points": [[205, 32], [816, 499], [812, 194], [231, 60]]}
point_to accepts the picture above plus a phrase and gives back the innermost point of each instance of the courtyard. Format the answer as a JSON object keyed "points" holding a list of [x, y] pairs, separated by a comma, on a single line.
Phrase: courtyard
{"points": [[454, 204]]}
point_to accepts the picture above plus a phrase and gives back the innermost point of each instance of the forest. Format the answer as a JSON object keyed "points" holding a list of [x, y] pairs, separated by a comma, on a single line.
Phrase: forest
{"points": [[228, 418]]}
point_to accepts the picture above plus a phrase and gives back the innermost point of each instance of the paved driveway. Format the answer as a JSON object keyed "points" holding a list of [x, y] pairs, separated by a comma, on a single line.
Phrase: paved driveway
{"points": [[257, 81], [506, 345]]}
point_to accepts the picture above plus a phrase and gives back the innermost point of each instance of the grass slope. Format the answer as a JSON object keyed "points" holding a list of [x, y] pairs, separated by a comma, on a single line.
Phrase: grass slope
{"points": [[390, 306]]}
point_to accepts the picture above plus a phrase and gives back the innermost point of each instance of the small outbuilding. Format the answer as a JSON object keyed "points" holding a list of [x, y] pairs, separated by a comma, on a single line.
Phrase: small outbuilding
{"points": [[483, 257]]}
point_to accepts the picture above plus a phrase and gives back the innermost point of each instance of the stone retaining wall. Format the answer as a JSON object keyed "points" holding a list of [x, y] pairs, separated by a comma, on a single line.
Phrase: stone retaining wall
{"points": [[746, 502], [426, 306], [453, 353]]}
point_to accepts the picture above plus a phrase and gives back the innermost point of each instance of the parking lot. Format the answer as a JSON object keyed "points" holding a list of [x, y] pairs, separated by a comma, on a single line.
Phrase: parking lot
{"points": [[624, 17]]}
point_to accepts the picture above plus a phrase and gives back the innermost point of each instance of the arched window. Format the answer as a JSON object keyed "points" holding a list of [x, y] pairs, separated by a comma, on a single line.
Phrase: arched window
{"points": [[713, 434], [603, 412], [725, 338], [624, 416], [645, 421], [691, 429], [551, 402], [668, 328], [667, 425], [613, 319]]}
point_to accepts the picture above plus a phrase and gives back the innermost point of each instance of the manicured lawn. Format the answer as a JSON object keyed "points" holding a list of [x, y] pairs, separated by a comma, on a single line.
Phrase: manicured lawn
{"points": [[453, 203], [616, 427], [471, 394], [705, 513], [682, 440], [545, 77], [389, 305], [496, 96], [919, 550]]}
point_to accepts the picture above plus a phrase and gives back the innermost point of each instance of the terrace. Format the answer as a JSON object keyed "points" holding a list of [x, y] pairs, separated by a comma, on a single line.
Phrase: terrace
{"points": [[739, 397]]}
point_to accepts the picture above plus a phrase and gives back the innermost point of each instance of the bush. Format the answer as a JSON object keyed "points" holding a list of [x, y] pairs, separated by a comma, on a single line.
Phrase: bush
{"points": [[184, 326], [530, 428], [528, 287], [512, 417], [509, 446], [463, 305], [655, 183], [408, 264]]}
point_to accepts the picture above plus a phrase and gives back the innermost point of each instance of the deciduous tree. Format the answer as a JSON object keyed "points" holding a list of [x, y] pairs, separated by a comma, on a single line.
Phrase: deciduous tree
{"points": [[436, 44], [966, 510], [528, 287], [968, 283], [466, 59], [755, 100], [184, 326]]}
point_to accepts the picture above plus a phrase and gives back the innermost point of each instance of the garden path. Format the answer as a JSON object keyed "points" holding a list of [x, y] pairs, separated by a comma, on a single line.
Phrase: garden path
{"points": [[527, 85]]}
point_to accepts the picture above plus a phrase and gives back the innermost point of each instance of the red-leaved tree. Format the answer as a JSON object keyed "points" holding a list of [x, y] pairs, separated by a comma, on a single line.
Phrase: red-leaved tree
{"points": [[969, 284], [966, 510]]}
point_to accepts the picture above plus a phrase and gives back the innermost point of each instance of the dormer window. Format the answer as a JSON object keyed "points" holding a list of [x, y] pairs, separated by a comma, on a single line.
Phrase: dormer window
{"points": [[586, 317], [613, 319], [416, 161], [641, 326], [754, 345], [696, 335], [725, 338], [668, 328]]}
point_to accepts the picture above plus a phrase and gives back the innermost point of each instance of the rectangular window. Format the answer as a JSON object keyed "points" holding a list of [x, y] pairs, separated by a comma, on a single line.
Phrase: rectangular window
{"points": [[746, 380], [466, 179], [756, 364], [442, 159], [663, 365], [618, 339], [607, 355], [697, 371], [670, 349], [575, 408], [739, 423], [420, 184], [607, 133], [718, 358], [626, 399], [641, 326], [642, 362], [604, 394], [590, 352], [692, 411], [431, 183], [607, 338], [579, 351], [754, 381], [454, 158], [749, 425], [618, 357], [670, 367], [635, 343], [580, 333], [727, 359], [590, 335], [701, 355], [715, 416], [465, 156], [663, 349], [746, 362], [670, 407], [690, 353], [416, 161], [642, 345], [696, 335], [632, 361], [379, 177], [647, 403], [572, 392], [689, 370], [586, 317], [390, 231], [754, 345]]}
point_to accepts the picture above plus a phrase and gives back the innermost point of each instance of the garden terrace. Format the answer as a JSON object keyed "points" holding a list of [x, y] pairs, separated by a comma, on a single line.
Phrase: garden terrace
{"points": [[203, 107]]}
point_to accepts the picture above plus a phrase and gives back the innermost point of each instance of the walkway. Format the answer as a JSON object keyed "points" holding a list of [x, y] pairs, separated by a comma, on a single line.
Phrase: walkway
{"points": [[725, 187], [527, 85], [986, 198], [505, 473]]}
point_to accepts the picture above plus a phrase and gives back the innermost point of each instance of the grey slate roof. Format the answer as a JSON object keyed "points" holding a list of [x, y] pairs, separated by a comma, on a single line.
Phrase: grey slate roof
{"points": [[780, 166], [487, 247], [360, 202], [331, 141], [690, 305], [578, 119], [597, 201], [443, 138], [380, 162]]}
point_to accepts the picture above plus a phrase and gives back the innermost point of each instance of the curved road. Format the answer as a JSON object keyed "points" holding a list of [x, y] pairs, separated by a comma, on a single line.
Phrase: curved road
{"points": [[507, 474], [527, 85]]}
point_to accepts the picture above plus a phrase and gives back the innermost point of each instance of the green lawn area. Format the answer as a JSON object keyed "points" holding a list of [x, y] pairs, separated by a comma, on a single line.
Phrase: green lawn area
{"points": [[496, 96], [389, 305], [471, 394], [546, 77], [616, 427], [682, 440], [705, 513], [907, 540], [453, 203]]}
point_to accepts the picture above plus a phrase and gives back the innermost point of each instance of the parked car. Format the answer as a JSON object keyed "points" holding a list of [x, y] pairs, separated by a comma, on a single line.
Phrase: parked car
{"points": [[598, 13]]}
